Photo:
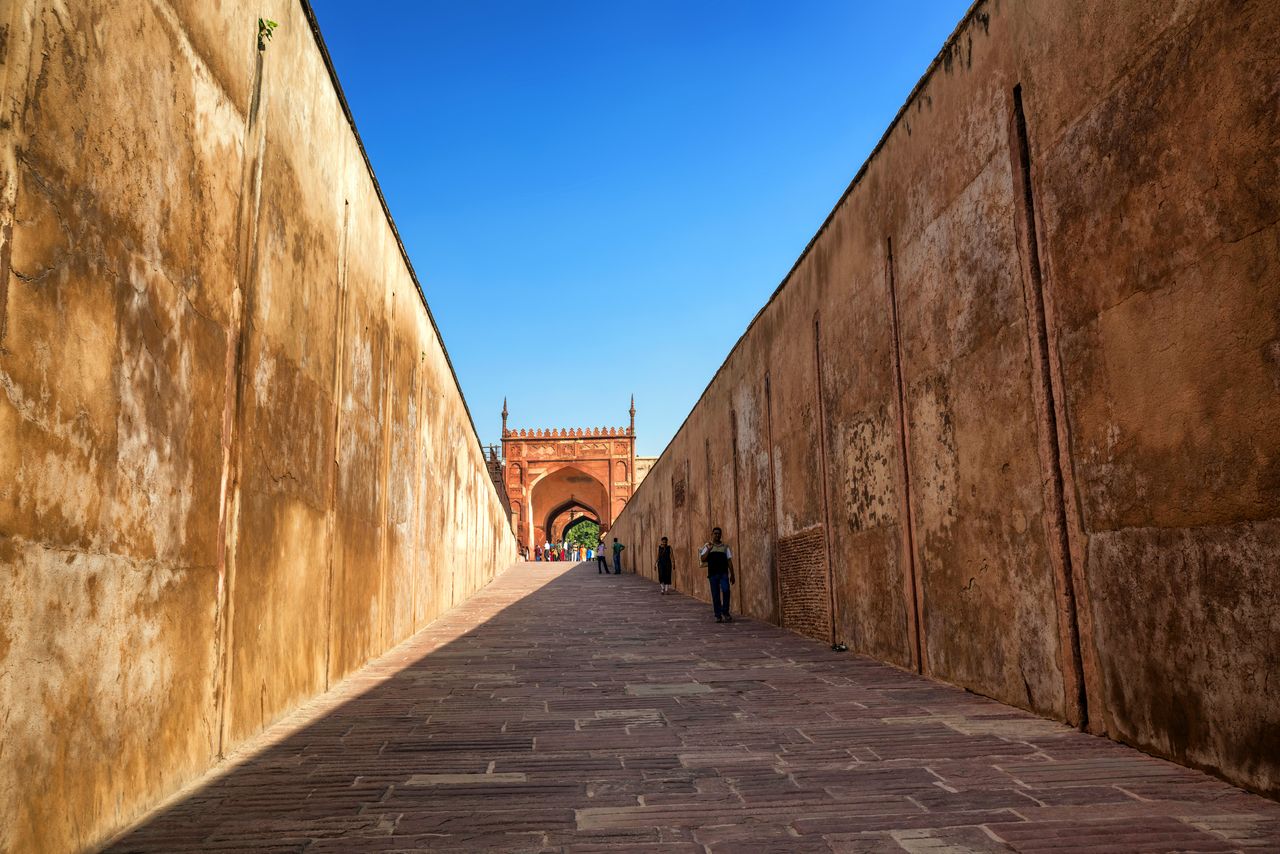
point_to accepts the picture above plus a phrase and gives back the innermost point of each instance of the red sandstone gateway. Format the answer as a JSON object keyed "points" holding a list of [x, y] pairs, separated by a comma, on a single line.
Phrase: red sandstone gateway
{"points": [[555, 478]]}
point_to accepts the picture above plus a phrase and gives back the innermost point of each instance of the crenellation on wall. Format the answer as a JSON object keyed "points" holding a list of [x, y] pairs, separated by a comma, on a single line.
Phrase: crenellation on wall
{"points": [[1048, 436]]}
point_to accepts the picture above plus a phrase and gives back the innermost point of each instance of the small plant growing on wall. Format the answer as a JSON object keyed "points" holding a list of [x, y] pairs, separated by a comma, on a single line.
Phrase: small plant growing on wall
{"points": [[266, 28]]}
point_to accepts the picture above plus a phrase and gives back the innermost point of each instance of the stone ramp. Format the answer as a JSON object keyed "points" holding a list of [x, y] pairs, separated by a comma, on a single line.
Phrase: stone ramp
{"points": [[561, 710]]}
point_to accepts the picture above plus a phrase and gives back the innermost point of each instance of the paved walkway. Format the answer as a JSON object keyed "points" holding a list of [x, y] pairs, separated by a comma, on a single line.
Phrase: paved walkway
{"points": [[560, 710]]}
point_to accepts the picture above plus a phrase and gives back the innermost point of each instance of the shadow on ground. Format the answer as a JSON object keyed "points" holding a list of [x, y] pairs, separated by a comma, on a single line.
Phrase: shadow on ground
{"points": [[563, 710]]}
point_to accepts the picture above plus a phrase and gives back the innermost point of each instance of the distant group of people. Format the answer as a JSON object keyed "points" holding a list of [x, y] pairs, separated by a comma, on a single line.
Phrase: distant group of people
{"points": [[715, 556], [565, 550], [576, 552]]}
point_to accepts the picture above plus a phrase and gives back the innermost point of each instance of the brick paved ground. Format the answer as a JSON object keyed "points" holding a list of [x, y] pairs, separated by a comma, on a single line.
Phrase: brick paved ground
{"points": [[560, 710]]}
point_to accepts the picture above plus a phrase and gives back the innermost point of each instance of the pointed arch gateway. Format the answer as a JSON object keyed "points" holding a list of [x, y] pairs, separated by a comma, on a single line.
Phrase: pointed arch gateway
{"points": [[561, 518], [568, 529], [580, 470], [561, 494]]}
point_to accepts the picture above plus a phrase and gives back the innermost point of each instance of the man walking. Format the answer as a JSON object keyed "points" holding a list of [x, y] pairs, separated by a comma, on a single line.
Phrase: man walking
{"points": [[617, 556], [717, 557], [602, 562]]}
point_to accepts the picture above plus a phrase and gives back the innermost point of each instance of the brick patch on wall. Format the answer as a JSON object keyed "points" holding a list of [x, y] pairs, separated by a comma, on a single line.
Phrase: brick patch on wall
{"points": [[802, 570]]}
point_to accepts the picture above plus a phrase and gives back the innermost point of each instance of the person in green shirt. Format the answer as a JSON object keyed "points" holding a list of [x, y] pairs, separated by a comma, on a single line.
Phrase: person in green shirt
{"points": [[617, 556]]}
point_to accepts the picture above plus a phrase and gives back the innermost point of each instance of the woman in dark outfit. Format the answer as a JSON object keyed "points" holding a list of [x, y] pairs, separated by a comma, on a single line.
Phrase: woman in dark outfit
{"points": [[664, 566]]}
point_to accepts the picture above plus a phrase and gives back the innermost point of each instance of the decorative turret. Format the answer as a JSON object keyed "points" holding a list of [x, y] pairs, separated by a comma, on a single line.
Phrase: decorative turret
{"points": [[504, 415], [633, 415]]}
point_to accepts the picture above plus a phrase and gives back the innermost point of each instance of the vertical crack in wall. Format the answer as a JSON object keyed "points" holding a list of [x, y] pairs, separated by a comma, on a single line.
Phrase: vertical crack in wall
{"points": [[15, 80], [775, 581], [340, 347], [706, 460], [915, 619], [416, 517], [7, 201], [385, 613], [822, 463], [737, 511], [233, 416], [690, 536], [1047, 417], [8, 194]]}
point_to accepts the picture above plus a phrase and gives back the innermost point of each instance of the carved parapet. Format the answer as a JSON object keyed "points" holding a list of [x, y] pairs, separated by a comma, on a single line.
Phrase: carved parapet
{"points": [[568, 433]]}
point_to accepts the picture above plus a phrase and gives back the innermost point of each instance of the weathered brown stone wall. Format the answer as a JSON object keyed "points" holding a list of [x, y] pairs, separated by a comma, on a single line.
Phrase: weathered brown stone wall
{"points": [[1026, 383], [236, 461]]}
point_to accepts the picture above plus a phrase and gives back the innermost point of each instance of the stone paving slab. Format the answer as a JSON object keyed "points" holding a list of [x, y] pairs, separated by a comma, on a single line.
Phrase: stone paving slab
{"points": [[564, 711]]}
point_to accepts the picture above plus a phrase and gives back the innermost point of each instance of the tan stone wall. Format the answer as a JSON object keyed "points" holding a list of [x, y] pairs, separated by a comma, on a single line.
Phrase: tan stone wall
{"points": [[236, 461], [1076, 506], [643, 464]]}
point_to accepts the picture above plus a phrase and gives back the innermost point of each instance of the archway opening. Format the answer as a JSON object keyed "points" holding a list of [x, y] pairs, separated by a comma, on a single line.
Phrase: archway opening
{"points": [[584, 530], [577, 527], [570, 515], [562, 497]]}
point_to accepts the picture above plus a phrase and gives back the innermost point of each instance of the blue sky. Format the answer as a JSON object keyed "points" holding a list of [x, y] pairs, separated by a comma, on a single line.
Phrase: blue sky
{"points": [[598, 196]]}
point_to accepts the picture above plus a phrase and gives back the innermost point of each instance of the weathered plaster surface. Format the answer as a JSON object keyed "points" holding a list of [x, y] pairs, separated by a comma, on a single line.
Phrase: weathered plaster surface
{"points": [[237, 463], [1075, 508]]}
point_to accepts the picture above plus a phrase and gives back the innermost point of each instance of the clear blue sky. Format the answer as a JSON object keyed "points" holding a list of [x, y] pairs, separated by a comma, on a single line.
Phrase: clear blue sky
{"points": [[598, 195]]}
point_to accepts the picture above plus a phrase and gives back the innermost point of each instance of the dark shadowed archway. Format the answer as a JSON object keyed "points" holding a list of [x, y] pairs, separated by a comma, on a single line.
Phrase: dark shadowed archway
{"points": [[560, 518], [567, 533], [566, 488]]}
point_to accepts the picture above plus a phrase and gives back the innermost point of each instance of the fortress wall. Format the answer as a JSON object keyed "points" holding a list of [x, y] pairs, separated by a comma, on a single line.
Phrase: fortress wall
{"points": [[238, 464], [1013, 418]]}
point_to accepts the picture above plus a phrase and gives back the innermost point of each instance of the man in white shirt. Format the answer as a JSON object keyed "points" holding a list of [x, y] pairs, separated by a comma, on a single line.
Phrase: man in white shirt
{"points": [[717, 557]]}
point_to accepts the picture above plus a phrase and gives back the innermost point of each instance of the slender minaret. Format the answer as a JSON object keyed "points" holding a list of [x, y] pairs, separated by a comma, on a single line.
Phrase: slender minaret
{"points": [[631, 471], [504, 415]]}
